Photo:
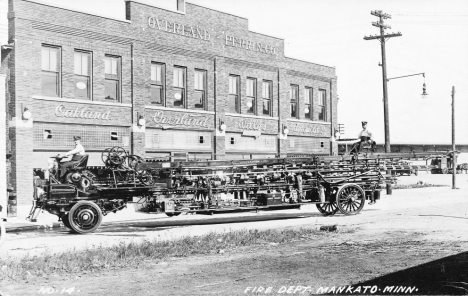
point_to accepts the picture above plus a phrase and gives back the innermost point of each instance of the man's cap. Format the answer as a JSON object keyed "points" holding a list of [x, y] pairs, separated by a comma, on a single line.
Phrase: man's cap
{"points": [[76, 138], [364, 122]]}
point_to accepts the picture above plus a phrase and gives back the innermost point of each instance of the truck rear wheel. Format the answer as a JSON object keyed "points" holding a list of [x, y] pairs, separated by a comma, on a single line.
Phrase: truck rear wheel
{"points": [[350, 199]]}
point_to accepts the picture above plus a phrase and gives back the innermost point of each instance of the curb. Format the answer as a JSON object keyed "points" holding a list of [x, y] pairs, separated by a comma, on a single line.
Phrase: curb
{"points": [[25, 228]]}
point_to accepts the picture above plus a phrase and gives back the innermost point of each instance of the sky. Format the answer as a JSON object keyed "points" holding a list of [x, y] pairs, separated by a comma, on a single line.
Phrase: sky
{"points": [[434, 41]]}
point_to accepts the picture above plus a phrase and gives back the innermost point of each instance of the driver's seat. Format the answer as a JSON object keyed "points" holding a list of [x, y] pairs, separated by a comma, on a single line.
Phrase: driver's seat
{"points": [[82, 163]]}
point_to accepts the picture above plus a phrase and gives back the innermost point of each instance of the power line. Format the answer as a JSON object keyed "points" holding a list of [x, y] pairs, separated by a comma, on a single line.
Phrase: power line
{"points": [[382, 38]]}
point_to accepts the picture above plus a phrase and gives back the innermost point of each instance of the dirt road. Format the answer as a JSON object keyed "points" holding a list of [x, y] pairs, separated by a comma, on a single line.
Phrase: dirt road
{"points": [[413, 242]]}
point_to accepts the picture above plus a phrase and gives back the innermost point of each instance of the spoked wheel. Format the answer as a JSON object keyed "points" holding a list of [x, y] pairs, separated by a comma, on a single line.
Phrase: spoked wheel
{"points": [[105, 155], [66, 221], [327, 209], [84, 217], [133, 161], [117, 155], [350, 199], [146, 178]]}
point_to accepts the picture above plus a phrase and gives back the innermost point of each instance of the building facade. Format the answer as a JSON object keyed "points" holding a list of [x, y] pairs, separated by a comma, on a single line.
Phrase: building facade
{"points": [[193, 82]]}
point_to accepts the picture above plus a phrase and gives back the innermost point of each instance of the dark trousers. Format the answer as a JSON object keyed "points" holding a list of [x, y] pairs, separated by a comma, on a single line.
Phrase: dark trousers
{"points": [[66, 165]]}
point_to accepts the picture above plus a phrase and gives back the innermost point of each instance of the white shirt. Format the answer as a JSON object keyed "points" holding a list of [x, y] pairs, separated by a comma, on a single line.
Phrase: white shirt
{"points": [[365, 133], [79, 149]]}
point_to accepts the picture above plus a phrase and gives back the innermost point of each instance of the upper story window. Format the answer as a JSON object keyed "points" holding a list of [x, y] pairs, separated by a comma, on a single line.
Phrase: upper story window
{"points": [[200, 89], [251, 93], [322, 102], [308, 103], [294, 97], [82, 71], [112, 66], [51, 71], [158, 81], [233, 100], [179, 86], [267, 96]]}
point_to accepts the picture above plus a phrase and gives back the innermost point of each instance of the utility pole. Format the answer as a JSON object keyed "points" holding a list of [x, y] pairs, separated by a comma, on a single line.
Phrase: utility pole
{"points": [[454, 159], [382, 38]]}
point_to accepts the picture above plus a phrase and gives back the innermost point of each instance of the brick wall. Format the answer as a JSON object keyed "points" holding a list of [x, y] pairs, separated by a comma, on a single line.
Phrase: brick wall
{"points": [[201, 38]]}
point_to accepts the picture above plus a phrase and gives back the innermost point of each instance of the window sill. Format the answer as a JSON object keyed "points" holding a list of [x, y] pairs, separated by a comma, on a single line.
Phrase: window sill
{"points": [[308, 121], [178, 109], [251, 116], [79, 101]]}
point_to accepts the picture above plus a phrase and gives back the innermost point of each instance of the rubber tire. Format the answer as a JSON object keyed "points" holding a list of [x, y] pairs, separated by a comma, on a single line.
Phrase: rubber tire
{"points": [[77, 209], [173, 214], [66, 222]]}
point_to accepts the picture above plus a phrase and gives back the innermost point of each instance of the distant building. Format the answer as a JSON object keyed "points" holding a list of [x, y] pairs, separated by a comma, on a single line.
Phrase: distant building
{"points": [[411, 147]]}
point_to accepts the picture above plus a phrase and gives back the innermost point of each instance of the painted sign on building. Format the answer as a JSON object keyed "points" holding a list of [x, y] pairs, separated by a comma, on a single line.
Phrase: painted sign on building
{"points": [[179, 29], [185, 120], [310, 129], [83, 112]]}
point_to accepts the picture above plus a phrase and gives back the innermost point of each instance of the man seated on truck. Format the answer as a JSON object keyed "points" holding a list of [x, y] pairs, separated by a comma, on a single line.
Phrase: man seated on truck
{"points": [[77, 153], [365, 139]]}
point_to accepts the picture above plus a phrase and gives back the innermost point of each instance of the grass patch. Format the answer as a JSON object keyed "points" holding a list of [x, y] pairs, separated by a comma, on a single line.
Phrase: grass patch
{"points": [[133, 254]]}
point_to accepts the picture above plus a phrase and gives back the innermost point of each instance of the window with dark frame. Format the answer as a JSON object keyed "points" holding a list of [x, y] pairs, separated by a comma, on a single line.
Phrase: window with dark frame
{"points": [[293, 97], [251, 93], [112, 66], [179, 86], [158, 81], [200, 88], [308, 103], [47, 134], [51, 71], [82, 71], [201, 140], [233, 100], [322, 102], [267, 96], [114, 136]]}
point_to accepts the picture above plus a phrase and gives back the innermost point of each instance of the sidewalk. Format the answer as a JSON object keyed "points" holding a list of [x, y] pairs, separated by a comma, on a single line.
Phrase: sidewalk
{"points": [[49, 221]]}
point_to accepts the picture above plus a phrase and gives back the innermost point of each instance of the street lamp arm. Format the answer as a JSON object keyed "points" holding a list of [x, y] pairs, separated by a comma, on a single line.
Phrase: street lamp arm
{"points": [[406, 76]]}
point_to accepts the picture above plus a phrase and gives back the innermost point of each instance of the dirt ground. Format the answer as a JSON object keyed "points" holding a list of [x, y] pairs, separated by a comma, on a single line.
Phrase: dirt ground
{"points": [[415, 242]]}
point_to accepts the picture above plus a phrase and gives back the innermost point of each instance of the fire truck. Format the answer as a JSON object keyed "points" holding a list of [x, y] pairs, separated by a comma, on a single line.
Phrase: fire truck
{"points": [[335, 184]]}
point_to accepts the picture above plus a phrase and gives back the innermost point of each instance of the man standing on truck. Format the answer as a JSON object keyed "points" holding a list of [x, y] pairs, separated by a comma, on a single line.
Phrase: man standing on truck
{"points": [[77, 153]]}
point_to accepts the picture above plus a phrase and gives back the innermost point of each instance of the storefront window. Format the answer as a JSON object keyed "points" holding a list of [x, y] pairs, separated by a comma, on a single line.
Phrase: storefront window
{"points": [[82, 70], [308, 103], [251, 95], [293, 96], [267, 97], [200, 89], [233, 100], [321, 105], [112, 72], [158, 72], [179, 87], [51, 73]]}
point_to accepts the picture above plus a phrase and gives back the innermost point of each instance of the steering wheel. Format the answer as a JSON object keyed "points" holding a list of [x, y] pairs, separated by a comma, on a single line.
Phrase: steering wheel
{"points": [[105, 155], [117, 155]]}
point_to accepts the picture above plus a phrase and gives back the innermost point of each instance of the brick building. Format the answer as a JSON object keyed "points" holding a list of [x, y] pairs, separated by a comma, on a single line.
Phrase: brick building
{"points": [[192, 81]]}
